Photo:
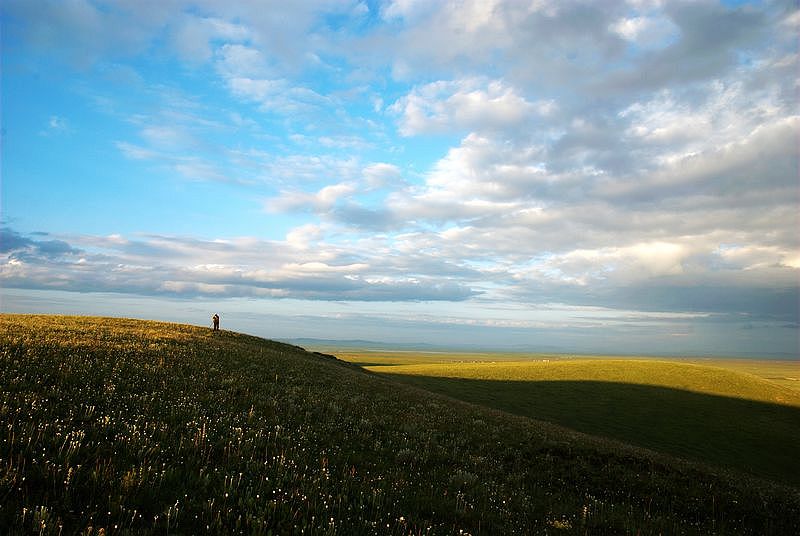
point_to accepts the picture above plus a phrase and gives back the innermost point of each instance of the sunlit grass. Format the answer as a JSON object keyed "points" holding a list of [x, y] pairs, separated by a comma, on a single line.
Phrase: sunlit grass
{"points": [[785, 373], [672, 374], [126, 426], [706, 413]]}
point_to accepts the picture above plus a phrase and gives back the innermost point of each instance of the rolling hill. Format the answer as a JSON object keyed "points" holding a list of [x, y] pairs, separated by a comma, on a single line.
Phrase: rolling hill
{"points": [[134, 427], [701, 412]]}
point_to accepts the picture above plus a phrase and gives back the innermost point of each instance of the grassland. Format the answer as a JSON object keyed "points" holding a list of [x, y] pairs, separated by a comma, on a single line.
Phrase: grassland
{"points": [[709, 413], [783, 373], [132, 427]]}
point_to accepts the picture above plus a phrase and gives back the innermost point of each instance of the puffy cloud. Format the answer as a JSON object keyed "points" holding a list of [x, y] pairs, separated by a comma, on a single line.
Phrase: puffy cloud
{"points": [[163, 265], [726, 113], [534, 39], [322, 200], [382, 174], [468, 104]]}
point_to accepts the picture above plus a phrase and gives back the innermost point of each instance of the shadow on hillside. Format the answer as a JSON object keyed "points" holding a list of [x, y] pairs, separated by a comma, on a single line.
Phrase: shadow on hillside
{"points": [[755, 437]]}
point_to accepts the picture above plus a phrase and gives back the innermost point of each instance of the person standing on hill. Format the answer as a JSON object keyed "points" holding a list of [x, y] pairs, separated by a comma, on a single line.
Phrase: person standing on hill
{"points": [[215, 320]]}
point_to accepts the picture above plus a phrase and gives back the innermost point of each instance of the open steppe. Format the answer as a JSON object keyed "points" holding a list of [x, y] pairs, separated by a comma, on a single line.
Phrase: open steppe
{"points": [[134, 427], [726, 412]]}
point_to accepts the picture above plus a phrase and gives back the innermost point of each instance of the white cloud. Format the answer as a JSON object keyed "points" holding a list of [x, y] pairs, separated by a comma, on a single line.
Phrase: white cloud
{"points": [[468, 104], [240, 61], [321, 200], [727, 114], [480, 178], [343, 142], [754, 257], [235, 267], [257, 90], [201, 171], [302, 269], [407, 9], [135, 152], [645, 31], [296, 168], [276, 96], [382, 174], [304, 236], [194, 36]]}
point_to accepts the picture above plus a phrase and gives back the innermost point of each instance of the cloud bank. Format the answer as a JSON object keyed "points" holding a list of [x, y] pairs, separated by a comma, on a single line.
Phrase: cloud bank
{"points": [[628, 156]]}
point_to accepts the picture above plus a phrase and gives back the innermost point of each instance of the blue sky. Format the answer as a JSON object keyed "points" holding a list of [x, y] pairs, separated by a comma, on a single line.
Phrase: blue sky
{"points": [[609, 177]]}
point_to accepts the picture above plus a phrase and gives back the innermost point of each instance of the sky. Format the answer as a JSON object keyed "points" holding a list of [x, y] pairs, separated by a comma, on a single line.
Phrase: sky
{"points": [[616, 176]]}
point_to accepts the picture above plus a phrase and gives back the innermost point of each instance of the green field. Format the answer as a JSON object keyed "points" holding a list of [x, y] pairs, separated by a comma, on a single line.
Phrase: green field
{"points": [[782, 372], [135, 427], [718, 415]]}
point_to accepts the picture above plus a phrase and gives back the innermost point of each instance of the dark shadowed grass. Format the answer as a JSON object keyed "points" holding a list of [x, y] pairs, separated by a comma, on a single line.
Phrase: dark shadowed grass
{"points": [[747, 435], [132, 427]]}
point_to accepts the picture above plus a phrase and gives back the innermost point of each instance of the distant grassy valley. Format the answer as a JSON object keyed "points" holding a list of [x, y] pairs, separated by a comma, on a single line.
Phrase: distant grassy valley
{"points": [[700, 411], [136, 427]]}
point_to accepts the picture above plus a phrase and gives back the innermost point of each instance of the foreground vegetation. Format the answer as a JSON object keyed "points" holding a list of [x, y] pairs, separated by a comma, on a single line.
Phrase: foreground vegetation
{"points": [[124, 426], [701, 412]]}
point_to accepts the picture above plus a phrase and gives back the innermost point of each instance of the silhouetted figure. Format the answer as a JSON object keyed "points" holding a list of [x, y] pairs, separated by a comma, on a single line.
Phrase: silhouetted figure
{"points": [[215, 319]]}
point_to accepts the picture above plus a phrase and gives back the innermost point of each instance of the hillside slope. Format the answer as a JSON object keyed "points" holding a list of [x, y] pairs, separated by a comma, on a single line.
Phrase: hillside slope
{"points": [[139, 427], [705, 413]]}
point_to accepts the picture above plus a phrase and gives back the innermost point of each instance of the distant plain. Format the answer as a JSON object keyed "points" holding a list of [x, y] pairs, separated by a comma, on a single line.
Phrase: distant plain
{"points": [[735, 413]]}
